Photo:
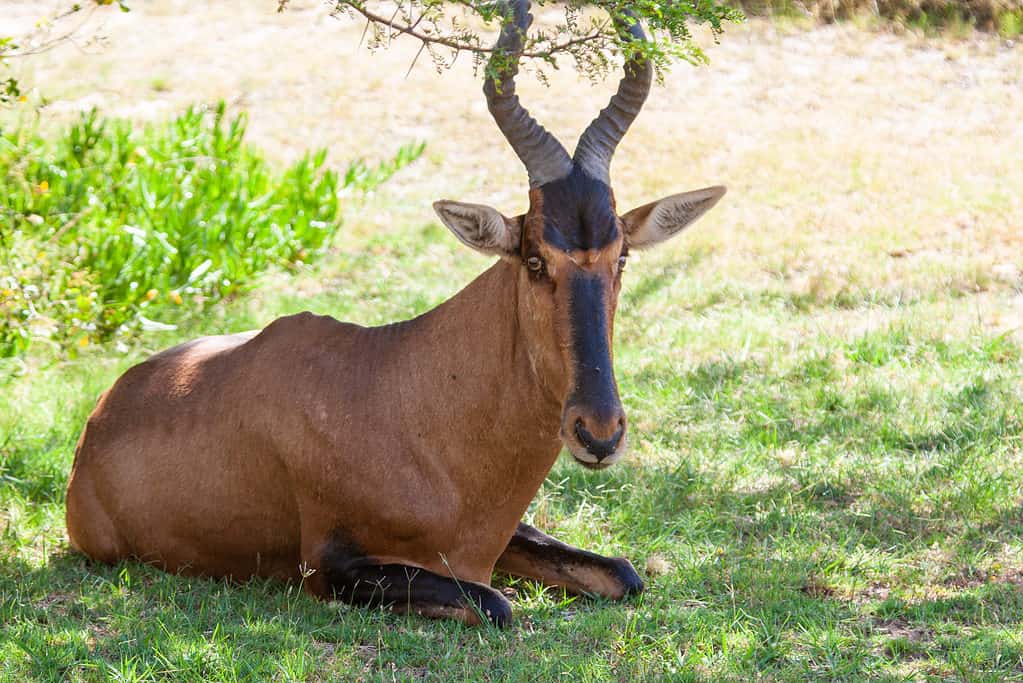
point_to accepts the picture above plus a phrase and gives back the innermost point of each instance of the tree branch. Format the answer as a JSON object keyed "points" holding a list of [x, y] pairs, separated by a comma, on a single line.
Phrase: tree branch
{"points": [[48, 45], [458, 46]]}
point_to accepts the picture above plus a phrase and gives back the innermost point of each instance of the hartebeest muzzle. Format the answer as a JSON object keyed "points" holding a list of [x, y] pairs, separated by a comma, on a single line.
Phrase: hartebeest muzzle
{"points": [[593, 424]]}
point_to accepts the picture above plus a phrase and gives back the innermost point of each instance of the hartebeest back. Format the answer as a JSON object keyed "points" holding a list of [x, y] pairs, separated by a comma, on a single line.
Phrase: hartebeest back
{"points": [[392, 465]]}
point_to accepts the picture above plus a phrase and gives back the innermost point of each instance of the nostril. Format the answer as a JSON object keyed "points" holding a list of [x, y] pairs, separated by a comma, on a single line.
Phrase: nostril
{"points": [[599, 448], [582, 433], [616, 437]]}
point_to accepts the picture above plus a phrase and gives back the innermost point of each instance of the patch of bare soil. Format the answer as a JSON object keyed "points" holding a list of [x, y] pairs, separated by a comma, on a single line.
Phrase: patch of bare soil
{"points": [[57, 603], [904, 640]]}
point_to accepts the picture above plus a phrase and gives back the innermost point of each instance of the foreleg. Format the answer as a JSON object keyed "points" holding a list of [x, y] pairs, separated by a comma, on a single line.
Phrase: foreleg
{"points": [[408, 589], [535, 555]]}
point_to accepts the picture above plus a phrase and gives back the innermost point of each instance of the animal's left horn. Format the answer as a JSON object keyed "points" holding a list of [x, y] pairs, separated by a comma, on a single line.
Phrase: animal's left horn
{"points": [[544, 157], [597, 144]]}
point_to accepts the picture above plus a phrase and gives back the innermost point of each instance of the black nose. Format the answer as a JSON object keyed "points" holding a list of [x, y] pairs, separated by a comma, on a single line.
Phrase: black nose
{"points": [[598, 448]]}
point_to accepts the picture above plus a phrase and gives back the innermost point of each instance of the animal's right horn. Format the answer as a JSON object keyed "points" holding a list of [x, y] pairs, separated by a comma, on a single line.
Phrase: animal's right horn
{"points": [[544, 157]]}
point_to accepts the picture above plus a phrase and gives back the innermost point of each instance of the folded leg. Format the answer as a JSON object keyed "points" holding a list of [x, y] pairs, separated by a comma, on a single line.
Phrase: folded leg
{"points": [[535, 555], [413, 590]]}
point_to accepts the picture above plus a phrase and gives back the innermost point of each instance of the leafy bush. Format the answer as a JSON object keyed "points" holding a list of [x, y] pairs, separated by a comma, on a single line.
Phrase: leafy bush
{"points": [[106, 225]]}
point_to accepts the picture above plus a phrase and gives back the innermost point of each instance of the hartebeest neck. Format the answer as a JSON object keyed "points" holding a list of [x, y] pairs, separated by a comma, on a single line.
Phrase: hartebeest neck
{"points": [[474, 386]]}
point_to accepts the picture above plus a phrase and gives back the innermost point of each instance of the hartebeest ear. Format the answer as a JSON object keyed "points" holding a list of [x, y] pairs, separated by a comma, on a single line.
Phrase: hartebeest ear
{"points": [[655, 222], [484, 229]]}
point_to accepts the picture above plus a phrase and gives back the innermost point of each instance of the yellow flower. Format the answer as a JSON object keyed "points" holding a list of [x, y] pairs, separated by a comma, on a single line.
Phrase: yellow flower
{"points": [[84, 341], [6, 293], [23, 98], [176, 298], [152, 294], [43, 187]]}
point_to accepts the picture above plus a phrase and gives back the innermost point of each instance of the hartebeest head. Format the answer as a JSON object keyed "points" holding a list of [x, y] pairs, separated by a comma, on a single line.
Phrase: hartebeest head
{"points": [[572, 245]]}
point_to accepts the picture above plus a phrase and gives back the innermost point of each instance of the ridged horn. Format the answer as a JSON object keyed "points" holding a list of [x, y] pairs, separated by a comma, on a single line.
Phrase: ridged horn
{"points": [[597, 144], [544, 157]]}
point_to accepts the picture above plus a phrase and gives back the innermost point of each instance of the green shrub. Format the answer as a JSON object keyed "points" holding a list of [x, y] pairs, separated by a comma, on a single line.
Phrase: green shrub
{"points": [[106, 226]]}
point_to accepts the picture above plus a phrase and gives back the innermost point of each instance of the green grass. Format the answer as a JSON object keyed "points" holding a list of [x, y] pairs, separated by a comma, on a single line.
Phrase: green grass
{"points": [[821, 488]]}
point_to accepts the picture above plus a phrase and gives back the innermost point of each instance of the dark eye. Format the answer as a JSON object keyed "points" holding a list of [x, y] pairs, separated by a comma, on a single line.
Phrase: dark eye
{"points": [[622, 260], [534, 263]]}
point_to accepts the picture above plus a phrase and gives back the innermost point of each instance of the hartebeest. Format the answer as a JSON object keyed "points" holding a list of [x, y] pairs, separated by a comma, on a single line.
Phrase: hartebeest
{"points": [[393, 465]]}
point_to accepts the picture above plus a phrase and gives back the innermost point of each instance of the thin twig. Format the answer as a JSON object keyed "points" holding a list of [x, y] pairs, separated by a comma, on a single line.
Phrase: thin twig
{"points": [[362, 38], [67, 226], [46, 46], [458, 46], [397, 8], [415, 59]]}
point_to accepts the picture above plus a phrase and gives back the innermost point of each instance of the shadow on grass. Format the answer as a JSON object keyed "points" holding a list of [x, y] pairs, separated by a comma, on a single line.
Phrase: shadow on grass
{"points": [[801, 572], [111, 621]]}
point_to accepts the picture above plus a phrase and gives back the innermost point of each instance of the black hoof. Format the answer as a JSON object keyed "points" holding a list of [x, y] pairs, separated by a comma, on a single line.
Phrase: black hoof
{"points": [[626, 575], [493, 608]]}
